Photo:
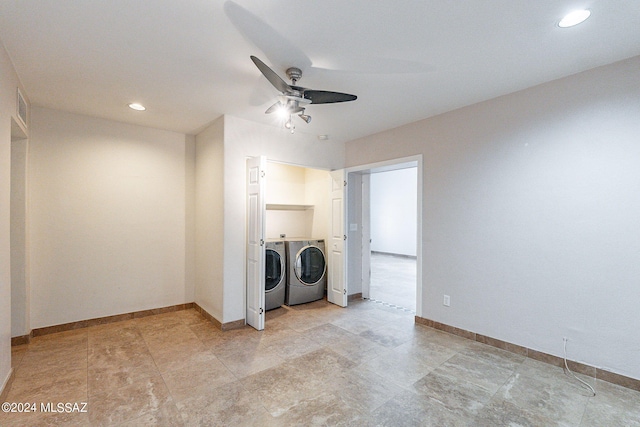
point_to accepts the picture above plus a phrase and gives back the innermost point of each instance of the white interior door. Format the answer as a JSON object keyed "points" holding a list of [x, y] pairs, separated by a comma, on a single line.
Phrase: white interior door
{"points": [[337, 284], [255, 241]]}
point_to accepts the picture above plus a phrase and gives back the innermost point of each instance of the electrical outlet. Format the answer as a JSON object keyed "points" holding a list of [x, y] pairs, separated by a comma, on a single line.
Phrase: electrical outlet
{"points": [[447, 301]]}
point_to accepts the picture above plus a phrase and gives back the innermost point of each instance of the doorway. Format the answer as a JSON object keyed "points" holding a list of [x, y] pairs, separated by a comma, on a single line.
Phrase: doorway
{"points": [[384, 226], [393, 220]]}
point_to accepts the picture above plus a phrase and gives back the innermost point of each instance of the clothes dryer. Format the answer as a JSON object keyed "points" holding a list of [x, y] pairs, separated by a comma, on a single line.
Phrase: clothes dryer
{"points": [[275, 281], [306, 271]]}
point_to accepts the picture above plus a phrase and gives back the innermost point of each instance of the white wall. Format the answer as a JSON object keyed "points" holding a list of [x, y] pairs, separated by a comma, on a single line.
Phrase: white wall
{"points": [[530, 219], [108, 218], [295, 185], [209, 193], [243, 139], [393, 206], [286, 185], [317, 194]]}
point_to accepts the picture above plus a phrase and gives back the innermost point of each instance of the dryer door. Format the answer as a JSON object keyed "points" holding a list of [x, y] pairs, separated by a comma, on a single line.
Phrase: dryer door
{"points": [[310, 265], [273, 271]]}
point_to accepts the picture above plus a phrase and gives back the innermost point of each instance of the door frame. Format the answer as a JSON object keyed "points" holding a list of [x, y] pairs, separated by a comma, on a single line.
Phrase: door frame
{"points": [[388, 165]]}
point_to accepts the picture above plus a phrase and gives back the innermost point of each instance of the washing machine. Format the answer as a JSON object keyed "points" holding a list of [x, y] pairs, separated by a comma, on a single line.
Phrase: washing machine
{"points": [[306, 271], [275, 280]]}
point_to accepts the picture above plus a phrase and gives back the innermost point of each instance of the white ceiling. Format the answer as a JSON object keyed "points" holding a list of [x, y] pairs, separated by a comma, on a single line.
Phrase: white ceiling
{"points": [[188, 61]]}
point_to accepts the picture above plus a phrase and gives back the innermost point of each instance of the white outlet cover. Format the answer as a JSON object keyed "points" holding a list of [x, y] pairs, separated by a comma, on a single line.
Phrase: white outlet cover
{"points": [[447, 301]]}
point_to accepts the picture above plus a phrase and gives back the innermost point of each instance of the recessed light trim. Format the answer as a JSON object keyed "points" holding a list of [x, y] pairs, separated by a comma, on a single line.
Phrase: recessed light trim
{"points": [[574, 18], [323, 137], [137, 107]]}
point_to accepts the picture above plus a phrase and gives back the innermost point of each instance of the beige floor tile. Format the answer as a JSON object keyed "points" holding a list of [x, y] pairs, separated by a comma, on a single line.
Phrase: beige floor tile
{"points": [[314, 364], [612, 406], [400, 368], [165, 416], [322, 363], [51, 363], [409, 409], [559, 401], [458, 396], [227, 405], [358, 324], [17, 353], [387, 337], [114, 334], [361, 389], [245, 361], [329, 333], [492, 355], [503, 413], [231, 338], [178, 356], [358, 349], [280, 388], [292, 344], [301, 320], [323, 409], [465, 368], [39, 418], [65, 385], [393, 280], [201, 377], [429, 353], [129, 403]]}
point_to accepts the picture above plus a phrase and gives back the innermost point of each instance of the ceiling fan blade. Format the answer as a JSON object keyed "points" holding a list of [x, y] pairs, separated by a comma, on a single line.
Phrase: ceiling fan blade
{"points": [[271, 75], [273, 108], [289, 110], [326, 97]]}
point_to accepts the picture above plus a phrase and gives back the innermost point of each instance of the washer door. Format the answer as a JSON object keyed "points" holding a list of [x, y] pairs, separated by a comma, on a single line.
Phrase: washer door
{"points": [[310, 265], [274, 269]]}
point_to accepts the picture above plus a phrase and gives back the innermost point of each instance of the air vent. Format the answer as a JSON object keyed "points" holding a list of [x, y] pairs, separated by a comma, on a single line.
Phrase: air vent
{"points": [[21, 109]]}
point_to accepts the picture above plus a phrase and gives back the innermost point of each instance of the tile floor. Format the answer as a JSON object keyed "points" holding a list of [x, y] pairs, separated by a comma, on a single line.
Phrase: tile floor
{"points": [[393, 280], [314, 364]]}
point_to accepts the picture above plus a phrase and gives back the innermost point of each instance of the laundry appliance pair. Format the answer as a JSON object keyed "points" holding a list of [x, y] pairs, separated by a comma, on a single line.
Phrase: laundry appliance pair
{"points": [[295, 272]]}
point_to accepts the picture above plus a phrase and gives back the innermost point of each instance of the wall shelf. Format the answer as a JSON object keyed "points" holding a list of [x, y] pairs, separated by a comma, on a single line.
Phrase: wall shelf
{"points": [[282, 207]]}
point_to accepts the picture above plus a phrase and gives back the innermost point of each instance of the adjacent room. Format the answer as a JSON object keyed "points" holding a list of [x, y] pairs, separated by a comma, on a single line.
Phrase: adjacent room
{"points": [[227, 212]]}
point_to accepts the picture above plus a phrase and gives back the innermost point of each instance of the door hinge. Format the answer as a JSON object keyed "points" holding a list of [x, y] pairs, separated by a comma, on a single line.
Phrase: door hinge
{"points": [[344, 237], [344, 183], [345, 291], [261, 242], [261, 310], [262, 174]]}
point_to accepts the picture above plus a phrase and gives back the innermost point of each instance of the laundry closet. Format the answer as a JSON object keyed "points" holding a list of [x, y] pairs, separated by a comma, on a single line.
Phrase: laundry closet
{"points": [[296, 225]]}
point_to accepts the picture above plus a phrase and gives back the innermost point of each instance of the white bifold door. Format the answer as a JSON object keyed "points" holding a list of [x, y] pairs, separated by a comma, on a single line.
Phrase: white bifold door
{"points": [[337, 247], [255, 241]]}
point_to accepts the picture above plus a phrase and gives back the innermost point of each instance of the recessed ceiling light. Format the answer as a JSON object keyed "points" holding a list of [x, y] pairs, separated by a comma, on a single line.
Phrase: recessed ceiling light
{"points": [[323, 137], [137, 107], [574, 18]]}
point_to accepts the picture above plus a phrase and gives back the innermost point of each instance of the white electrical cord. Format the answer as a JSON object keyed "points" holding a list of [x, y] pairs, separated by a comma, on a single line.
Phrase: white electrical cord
{"points": [[569, 370]]}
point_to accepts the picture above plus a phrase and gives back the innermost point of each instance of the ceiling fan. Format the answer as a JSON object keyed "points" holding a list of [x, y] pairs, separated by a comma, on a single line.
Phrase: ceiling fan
{"points": [[294, 98]]}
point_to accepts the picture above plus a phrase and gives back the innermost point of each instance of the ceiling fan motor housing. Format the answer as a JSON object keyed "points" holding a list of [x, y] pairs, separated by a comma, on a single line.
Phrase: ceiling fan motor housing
{"points": [[294, 74]]}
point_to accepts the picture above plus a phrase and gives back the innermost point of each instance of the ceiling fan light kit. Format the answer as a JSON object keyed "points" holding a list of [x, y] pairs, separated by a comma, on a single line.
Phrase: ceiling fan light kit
{"points": [[294, 98]]}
